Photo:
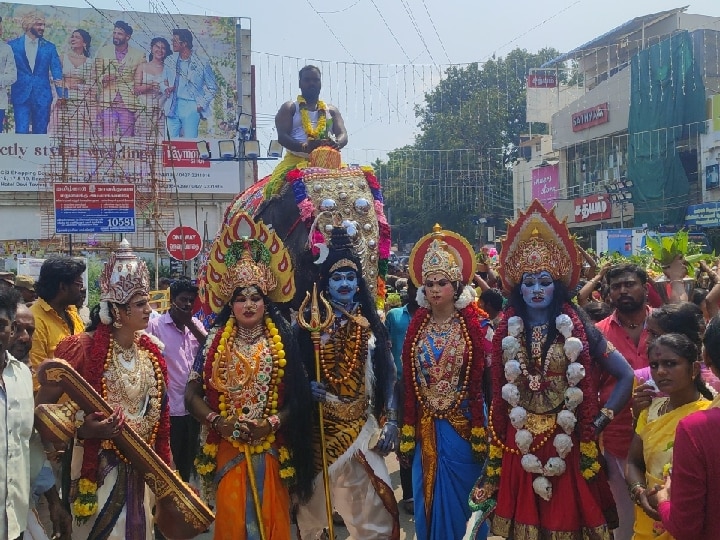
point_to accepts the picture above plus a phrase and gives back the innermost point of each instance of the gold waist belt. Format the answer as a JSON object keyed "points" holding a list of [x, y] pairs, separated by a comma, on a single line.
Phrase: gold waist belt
{"points": [[540, 423], [347, 411]]}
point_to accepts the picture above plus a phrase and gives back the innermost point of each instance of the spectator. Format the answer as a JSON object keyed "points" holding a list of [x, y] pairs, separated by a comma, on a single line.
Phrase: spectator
{"points": [[16, 424], [182, 335], [7, 279], [26, 286], [60, 287]]}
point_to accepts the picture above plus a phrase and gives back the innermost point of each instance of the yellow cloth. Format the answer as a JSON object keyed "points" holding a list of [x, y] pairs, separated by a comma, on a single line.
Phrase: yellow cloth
{"points": [[50, 329], [232, 497], [658, 436], [277, 178]]}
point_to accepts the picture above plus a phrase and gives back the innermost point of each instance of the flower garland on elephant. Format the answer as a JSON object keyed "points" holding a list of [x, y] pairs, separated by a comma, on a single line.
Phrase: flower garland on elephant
{"points": [[587, 410], [471, 316], [86, 502]]}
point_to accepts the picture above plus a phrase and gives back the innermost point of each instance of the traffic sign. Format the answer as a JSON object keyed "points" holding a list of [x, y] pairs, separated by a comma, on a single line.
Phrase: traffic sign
{"points": [[183, 243], [94, 208]]}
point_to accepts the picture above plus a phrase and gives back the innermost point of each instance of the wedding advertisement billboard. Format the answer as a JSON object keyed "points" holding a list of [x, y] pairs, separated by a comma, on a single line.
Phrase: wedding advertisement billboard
{"points": [[93, 95]]}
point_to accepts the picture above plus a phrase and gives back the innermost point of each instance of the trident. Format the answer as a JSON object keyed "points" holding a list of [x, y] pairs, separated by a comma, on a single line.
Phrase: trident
{"points": [[316, 325]]}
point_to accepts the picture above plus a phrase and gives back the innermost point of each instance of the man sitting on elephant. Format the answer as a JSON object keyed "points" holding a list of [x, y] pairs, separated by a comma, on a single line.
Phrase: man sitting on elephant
{"points": [[308, 123]]}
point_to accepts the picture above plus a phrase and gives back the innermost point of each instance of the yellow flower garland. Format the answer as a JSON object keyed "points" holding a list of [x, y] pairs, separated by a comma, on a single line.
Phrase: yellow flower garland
{"points": [[310, 131]]}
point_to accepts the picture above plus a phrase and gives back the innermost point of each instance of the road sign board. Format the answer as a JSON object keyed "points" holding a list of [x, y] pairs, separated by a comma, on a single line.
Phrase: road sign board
{"points": [[94, 208], [183, 243]]}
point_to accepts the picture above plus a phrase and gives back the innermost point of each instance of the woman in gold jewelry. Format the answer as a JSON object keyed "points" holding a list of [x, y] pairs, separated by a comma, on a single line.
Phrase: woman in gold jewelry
{"points": [[444, 429], [249, 389], [109, 497]]}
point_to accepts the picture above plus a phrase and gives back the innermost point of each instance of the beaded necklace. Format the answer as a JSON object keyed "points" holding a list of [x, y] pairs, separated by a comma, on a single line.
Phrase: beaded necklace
{"points": [[437, 401], [266, 365], [346, 357]]}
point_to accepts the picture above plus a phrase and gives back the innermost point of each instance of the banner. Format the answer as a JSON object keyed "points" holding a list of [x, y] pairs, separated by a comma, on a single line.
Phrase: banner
{"points": [[546, 184], [115, 96]]}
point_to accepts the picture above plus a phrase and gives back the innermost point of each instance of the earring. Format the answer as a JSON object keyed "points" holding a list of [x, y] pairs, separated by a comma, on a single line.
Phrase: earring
{"points": [[116, 316], [117, 324]]}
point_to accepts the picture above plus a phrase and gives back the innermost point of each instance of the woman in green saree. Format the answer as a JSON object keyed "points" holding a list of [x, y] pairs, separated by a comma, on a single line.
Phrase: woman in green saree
{"points": [[675, 368]]}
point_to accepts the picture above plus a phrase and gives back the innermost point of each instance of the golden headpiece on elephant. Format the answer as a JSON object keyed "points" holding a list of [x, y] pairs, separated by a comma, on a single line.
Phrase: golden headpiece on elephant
{"points": [[244, 254], [442, 252], [123, 276], [537, 242]]}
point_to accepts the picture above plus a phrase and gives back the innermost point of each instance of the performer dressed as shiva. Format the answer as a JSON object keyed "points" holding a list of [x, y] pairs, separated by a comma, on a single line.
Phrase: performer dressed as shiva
{"points": [[444, 425], [544, 467], [249, 389], [357, 387]]}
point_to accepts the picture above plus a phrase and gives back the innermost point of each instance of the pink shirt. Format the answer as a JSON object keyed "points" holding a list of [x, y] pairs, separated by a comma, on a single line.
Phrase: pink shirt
{"points": [[693, 511], [180, 350], [616, 437]]}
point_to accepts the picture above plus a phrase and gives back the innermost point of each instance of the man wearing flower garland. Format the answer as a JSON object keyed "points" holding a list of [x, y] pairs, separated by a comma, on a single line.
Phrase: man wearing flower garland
{"points": [[308, 123], [357, 385]]}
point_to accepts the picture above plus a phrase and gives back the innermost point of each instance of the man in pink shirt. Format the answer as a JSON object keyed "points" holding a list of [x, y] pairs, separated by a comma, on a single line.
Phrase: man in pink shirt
{"points": [[625, 329], [182, 335]]}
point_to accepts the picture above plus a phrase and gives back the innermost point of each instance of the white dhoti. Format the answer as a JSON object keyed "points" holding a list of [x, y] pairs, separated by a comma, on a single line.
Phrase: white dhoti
{"points": [[353, 494]]}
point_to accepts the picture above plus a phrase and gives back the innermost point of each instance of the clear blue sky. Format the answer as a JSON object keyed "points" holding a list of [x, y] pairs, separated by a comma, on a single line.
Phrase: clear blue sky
{"points": [[379, 41]]}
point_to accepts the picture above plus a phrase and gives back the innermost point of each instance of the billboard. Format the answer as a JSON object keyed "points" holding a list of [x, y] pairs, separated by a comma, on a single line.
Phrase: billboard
{"points": [[92, 95], [94, 208], [546, 184]]}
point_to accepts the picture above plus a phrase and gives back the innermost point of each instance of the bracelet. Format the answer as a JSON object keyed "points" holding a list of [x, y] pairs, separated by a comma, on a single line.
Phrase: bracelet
{"points": [[214, 423], [210, 418], [636, 489], [391, 415], [274, 421]]}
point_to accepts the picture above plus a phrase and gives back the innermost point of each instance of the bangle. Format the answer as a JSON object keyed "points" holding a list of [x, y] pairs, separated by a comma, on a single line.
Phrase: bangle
{"points": [[214, 422], [274, 421], [210, 418], [636, 489]]}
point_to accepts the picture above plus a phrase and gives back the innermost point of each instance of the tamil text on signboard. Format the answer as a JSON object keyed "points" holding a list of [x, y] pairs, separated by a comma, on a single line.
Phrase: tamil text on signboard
{"points": [[94, 208]]}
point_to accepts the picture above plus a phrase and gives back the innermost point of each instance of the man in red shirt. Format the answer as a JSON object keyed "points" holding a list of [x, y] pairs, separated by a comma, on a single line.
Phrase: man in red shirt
{"points": [[625, 329]]}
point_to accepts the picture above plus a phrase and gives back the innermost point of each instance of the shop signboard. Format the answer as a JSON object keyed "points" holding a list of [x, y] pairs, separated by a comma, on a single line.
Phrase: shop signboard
{"points": [[703, 215], [587, 118], [94, 208], [592, 208], [546, 184]]}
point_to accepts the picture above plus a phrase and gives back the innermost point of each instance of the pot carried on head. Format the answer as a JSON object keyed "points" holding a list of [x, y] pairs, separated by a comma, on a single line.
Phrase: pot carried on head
{"points": [[180, 514]]}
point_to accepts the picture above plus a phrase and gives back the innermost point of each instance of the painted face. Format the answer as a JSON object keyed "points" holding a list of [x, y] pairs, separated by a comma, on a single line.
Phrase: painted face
{"points": [[137, 313], [627, 293], [248, 307], [439, 291], [671, 372], [538, 289], [342, 286], [21, 340]]}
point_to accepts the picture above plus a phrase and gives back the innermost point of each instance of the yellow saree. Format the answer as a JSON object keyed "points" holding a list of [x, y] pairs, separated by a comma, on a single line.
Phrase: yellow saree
{"points": [[657, 432]]}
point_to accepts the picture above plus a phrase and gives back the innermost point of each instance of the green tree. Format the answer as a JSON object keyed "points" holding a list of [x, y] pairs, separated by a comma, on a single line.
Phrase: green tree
{"points": [[458, 170]]}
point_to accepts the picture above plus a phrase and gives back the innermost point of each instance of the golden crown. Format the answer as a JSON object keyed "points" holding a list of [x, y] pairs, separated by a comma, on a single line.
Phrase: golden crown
{"points": [[245, 273], [438, 260], [123, 276], [537, 242]]}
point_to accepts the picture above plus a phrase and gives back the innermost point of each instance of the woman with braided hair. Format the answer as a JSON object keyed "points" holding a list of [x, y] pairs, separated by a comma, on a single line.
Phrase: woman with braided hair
{"points": [[543, 470]]}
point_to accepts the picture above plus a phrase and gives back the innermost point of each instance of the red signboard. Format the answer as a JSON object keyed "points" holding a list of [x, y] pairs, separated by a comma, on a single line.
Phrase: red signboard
{"points": [[592, 208], [541, 79], [183, 243], [594, 116], [182, 154]]}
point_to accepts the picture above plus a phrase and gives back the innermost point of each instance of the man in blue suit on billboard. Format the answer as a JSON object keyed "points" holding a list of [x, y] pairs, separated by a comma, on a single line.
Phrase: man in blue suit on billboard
{"points": [[37, 62]]}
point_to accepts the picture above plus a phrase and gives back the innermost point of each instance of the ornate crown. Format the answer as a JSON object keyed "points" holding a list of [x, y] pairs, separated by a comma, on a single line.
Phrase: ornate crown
{"points": [[443, 252], [538, 241], [246, 253], [123, 276]]}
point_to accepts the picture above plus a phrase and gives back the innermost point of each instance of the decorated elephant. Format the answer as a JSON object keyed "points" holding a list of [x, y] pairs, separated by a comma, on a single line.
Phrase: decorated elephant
{"points": [[300, 206]]}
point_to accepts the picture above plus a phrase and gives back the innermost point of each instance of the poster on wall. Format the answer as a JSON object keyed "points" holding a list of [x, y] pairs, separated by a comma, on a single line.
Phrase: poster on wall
{"points": [[546, 184], [96, 95], [712, 176]]}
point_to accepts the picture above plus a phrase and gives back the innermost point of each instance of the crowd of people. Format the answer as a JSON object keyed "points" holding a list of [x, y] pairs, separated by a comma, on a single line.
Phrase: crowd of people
{"points": [[116, 87], [540, 398]]}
